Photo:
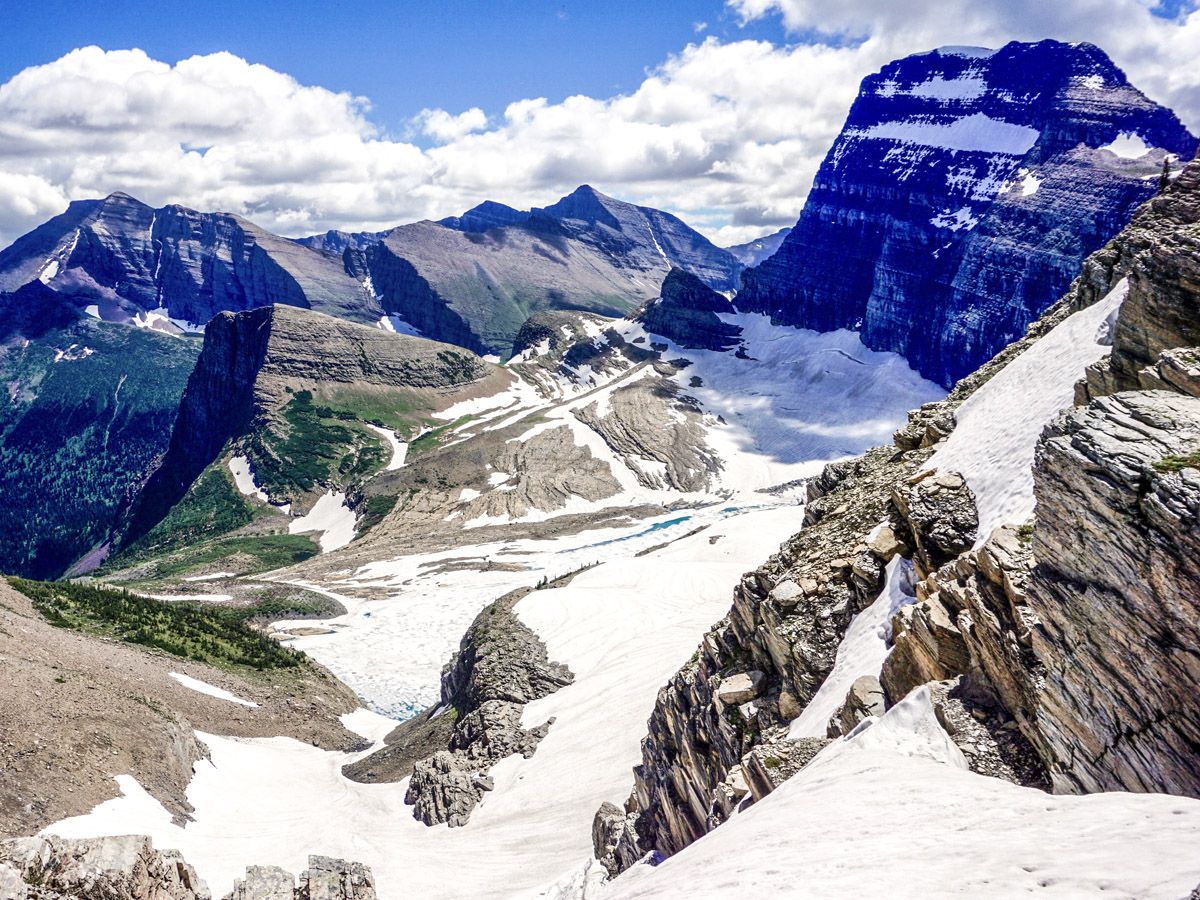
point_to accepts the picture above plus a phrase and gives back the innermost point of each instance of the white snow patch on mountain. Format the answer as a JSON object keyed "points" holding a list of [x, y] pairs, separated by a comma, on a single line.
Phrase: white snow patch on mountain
{"points": [[399, 448], [397, 325], [204, 687], [999, 425], [976, 132], [1128, 146], [955, 220], [968, 87], [331, 517], [884, 789], [861, 652], [243, 477]]}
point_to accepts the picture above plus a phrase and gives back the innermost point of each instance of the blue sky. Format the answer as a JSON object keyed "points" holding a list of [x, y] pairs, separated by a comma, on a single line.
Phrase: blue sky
{"points": [[405, 56], [249, 106]]}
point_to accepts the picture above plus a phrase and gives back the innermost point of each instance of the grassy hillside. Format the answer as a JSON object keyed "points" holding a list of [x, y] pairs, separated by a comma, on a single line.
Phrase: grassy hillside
{"points": [[207, 634]]}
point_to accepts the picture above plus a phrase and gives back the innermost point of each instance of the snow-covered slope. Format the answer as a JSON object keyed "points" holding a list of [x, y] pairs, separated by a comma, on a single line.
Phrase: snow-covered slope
{"points": [[891, 812]]}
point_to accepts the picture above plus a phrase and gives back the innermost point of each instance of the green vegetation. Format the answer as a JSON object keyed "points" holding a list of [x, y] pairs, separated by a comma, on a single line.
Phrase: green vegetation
{"points": [[403, 410], [77, 435], [240, 554], [212, 506], [274, 603], [182, 629], [1177, 463], [374, 510], [311, 445], [432, 438]]}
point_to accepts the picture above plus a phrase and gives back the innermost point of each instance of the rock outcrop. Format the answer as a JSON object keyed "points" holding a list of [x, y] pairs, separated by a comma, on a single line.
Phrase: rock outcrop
{"points": [[963, 193], [1117, 592], [112, 868], [686, 312], [324, 879], [501, 665]]}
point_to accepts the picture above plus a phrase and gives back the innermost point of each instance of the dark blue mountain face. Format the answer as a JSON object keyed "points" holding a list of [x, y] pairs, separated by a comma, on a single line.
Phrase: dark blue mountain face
{"points": [[961, 197]]}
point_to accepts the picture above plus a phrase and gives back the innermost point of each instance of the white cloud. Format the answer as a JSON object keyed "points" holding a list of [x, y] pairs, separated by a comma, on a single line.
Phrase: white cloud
{"points": [[727, 135], [444, 127]]}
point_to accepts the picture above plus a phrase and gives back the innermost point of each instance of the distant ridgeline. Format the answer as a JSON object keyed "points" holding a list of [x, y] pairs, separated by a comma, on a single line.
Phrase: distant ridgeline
{"points": [[961, 197], [470, 280]]}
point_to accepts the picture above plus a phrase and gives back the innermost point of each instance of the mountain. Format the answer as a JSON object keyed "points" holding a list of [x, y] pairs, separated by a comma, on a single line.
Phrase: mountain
{"points": [[753, 252], [175, 268], [961, 196], [87, 410], [470, 280], [488, 214]]}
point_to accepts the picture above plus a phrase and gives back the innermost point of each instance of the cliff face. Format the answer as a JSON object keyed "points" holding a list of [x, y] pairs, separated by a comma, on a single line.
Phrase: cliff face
{"points": [[1117, 591], [686, 312], [252, 362], [961, 197]]}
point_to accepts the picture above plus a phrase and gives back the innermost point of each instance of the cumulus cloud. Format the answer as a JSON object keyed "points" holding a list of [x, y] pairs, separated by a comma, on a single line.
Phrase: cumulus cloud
{"points": [[444, 127], [726, 134]]}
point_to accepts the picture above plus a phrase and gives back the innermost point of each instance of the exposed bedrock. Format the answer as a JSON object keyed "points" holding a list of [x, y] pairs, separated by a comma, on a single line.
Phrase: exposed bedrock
{"points": [[500, 666], [1117, 591], [110, 868], [324, 879], [686, 312]]}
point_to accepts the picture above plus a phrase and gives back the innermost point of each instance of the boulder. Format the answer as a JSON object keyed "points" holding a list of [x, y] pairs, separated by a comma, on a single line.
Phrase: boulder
{"points": [[740, 688]]}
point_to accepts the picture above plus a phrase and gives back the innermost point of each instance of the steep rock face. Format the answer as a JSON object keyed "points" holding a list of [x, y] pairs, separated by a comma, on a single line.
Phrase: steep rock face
{"points": [[250, 359], [112, 868], [87, 410], [126, 258], [1117, 590], [1159, 256], [961, 197], [686, 313]]}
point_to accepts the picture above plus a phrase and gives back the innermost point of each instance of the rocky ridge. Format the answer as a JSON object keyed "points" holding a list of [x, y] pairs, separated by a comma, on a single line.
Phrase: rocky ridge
{"points": [[1065, 648]]}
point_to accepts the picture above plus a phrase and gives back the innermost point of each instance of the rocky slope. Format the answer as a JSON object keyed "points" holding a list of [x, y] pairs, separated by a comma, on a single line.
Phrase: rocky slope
{"points": [[299, 389], [963, 193], [474, 280], [87, 410], [686, 312], [1065, 647]]}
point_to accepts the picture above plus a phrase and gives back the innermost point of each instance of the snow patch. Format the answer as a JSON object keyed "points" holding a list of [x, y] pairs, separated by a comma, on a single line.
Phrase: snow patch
{"points": [[999, 425], [399, 448], [332, 517], [203, 687], [861, 652], [957, 220], [939, 88], [976, 132], [397, 325], [243, 477]]}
